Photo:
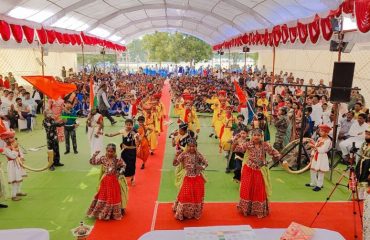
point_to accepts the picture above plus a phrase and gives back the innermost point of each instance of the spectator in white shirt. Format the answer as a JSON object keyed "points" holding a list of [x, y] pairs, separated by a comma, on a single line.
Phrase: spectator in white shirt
{"points": [[346, 124], [317, 112], [24, 112], [30, 102], [356, 135], [326, 111]]}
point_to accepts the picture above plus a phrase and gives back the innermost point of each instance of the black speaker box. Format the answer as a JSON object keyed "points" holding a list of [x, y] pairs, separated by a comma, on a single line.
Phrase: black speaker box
{"points": [[342, 81]]}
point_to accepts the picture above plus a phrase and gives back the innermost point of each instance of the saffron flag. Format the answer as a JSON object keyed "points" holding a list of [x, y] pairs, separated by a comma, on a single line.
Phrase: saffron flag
{"points": [[240, 94], [49, 86]]}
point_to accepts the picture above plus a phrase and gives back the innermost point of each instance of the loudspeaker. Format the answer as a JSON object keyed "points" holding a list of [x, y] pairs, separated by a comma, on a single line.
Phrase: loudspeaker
{"points": [[246, 49], [346, 46], [342, 81]]}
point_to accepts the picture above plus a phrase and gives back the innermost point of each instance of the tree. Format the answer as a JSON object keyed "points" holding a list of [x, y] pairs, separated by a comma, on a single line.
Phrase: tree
{"points": [[177, 47], [136, 51], [156, 45]]}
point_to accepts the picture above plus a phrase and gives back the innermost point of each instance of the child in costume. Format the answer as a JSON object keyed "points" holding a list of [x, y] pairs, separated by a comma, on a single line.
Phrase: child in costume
{"points": [[143, 149], [15, 157], [320, 161], [189, 201], [51, 126], [255, 186], [107, 203]]}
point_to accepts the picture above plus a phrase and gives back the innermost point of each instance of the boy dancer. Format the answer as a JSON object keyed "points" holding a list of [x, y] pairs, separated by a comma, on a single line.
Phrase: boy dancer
{"points": [[70, 117], [320, 161]]}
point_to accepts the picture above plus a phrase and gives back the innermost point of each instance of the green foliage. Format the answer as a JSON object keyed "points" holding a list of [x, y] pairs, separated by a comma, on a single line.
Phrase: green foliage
{"points": [[177, 47], [93, 59], [135, 49]]}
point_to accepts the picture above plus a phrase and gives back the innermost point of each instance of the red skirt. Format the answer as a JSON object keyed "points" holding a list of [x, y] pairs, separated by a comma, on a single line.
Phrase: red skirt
{"points": [[189, 203], [107, 201], [253, 197]]}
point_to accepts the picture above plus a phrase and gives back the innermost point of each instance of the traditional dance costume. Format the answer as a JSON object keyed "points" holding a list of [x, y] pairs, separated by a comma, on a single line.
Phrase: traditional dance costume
{"points": [[152, 127], [143, 150], [57, 108], [320, 161], [128, 154], [107, 203], [189, 202], [228, 122], [255, 186], [95, 132], [181, 142]]}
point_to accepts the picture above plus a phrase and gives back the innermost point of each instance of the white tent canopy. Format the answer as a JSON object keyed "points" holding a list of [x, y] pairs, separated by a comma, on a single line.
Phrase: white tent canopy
{"points": [[122, 20]]}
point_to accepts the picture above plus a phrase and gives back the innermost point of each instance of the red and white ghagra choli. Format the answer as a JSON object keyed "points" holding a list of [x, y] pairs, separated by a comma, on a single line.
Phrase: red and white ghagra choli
{"points": [[189, 202], [254, 182], [107, 201]]}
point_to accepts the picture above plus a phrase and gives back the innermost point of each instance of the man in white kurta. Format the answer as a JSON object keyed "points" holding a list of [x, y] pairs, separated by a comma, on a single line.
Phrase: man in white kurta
{"points": [[356, 135], [319, 159]]}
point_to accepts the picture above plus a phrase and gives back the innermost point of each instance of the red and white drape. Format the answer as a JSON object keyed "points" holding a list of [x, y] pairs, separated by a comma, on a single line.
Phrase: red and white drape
{"points": [[304, 32]]}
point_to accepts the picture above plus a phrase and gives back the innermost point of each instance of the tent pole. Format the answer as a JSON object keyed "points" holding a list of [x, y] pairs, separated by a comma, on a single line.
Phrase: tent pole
{"points": [[245, 62], [83, 59], [43, 73], [273, 64], [229, 61]]}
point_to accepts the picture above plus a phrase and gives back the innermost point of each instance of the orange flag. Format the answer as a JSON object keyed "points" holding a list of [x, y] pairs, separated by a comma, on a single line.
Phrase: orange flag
{"points": [[240, 94], [49, 86]]}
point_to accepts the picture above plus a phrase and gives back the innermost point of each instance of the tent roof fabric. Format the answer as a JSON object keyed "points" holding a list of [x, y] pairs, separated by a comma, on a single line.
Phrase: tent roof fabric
{"points": [[210, 20]]}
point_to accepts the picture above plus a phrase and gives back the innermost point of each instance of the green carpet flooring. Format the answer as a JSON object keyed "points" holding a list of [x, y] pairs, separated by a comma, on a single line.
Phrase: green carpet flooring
{"points": [[57, 201]]}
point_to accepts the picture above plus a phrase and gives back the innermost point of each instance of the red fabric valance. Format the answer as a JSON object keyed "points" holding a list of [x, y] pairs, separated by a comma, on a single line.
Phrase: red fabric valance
{"points": [[51, 36], [362, 10], [41, 33], [29, 33], [284, 33], [292, 34], [302, 32], [314, 29], [17, 32], [4, 30]]}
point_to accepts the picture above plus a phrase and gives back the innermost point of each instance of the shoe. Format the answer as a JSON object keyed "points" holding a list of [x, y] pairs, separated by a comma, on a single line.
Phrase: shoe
{"points": [[142, 166], [52, 168], [75, 152], [123, 211], [21, 194], [151, 153], [16, 198], [308, 185], [59, 165], [211, 135], [3, 206], [227, 170], [216, 137], [66, 152], [316, 189]]}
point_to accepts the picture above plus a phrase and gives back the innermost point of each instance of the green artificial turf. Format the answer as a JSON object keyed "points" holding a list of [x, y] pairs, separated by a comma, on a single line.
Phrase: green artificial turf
{"points": [[56, 201], [220, 187]]}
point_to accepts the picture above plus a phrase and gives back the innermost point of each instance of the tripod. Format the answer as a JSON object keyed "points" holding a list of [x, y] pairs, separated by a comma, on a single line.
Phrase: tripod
{"points": [[352, 185]]}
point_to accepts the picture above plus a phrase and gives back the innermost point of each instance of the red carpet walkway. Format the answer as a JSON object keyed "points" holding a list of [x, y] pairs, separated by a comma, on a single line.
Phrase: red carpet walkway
{"points": [[142, 197], [336, 216]]}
